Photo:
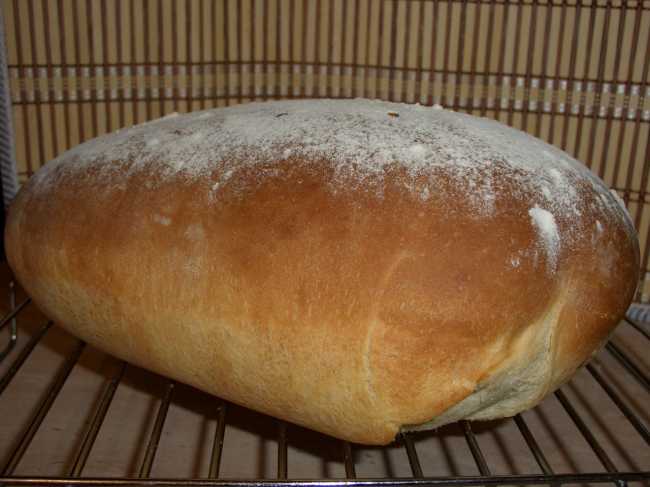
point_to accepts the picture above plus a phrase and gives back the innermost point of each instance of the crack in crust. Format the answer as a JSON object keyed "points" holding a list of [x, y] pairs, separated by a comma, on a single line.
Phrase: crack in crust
{"points": [[373, 321]]}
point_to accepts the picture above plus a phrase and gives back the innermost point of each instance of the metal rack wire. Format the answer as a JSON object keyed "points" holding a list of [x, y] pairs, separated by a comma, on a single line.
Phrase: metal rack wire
{"points": [[75, 476]]}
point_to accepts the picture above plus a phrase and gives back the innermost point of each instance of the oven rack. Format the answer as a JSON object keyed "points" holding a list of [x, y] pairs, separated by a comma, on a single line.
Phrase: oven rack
{"points": [[74, 477]]}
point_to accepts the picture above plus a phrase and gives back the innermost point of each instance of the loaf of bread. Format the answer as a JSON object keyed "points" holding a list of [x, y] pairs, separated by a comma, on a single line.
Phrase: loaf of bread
{"points": [[357, 267]]}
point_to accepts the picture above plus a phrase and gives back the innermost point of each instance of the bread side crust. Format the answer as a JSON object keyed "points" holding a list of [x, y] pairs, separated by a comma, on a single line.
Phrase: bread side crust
{"points": [[348, 308]]}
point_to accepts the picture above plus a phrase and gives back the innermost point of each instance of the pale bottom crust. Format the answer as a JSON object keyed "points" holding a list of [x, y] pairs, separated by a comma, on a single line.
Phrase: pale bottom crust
{"points": [[521, 383]]}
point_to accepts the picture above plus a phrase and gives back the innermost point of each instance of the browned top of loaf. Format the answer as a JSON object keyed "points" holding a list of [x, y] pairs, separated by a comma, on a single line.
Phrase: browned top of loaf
{"points": [[397, 227]]}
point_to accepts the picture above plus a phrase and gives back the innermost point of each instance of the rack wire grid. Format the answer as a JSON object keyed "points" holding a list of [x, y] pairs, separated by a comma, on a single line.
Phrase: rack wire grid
{"points": [[573, 72]]}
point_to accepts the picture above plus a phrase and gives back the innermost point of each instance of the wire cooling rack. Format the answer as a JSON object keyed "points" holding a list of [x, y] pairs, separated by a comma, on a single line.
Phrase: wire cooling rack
{"points": [[15, 357]]}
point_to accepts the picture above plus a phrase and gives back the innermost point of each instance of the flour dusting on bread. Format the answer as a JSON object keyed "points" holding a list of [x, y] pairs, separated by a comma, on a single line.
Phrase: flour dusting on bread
{"points": [[359, 137], [545, 223], [362, 141]]}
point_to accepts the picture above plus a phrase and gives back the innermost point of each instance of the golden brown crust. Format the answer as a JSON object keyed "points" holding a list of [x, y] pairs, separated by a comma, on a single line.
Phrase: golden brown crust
{"points": [[297, 293]]}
